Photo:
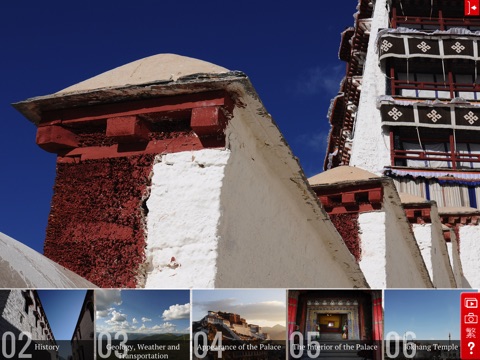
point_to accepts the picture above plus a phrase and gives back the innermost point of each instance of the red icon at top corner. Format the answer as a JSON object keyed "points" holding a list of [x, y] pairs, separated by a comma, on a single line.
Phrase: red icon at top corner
{"points": [[472, 8]]}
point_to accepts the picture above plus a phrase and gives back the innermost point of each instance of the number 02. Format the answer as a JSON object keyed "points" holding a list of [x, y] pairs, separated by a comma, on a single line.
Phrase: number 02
{"points": [[11, 335]]}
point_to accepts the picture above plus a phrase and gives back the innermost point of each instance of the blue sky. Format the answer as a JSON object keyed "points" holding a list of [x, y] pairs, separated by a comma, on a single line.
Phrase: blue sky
{"points": [[62, 308], [430, 314], [289, 51], [145, 311], [259, 307]]}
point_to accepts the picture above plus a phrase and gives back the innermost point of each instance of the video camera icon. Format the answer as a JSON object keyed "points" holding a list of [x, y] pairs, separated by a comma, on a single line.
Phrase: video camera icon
{"points": [[471, 303], [470, 318]]}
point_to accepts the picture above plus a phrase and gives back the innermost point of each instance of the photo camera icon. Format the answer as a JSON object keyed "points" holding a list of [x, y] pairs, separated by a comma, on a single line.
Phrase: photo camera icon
{"points": [[471, 318], [471, 303]]}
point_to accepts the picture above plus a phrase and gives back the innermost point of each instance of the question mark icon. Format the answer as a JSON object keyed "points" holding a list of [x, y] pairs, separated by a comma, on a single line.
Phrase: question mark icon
{"points": [[471, 345]]}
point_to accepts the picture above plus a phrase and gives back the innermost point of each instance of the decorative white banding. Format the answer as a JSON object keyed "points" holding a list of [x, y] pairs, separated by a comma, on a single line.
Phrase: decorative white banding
{"points": [[471, 117], [458, 47], [395, 114], [386, 45], [424, 46], [449, 116], [434, 116]]}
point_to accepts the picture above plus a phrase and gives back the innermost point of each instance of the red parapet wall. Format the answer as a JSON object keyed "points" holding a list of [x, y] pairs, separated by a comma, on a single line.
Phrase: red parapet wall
{"points": [[455, 221], [347, 227], [344, 205], [96, 225]]}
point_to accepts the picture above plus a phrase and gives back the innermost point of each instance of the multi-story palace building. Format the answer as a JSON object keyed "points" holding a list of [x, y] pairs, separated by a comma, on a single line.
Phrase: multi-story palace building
{"points": [[408, 109]]}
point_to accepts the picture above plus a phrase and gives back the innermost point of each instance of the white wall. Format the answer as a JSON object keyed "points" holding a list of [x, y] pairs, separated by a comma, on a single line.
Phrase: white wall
{"points": [[390, 256], [242, 217], [469, 254], [370, 149], [423, 235], [454, 254], [273, 232], [443, 275], [184, 213], [434, 251], [242, 330], [405, 265], [372, 233]]}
